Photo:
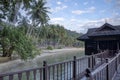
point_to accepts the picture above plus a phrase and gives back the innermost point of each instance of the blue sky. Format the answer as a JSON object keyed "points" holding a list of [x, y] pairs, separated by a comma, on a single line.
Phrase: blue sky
{"points": [[79, 15]]}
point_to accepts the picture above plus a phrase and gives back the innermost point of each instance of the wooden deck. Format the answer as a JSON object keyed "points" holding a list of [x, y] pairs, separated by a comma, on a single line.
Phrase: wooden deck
{"points": [[117, 76], [107, 71]]}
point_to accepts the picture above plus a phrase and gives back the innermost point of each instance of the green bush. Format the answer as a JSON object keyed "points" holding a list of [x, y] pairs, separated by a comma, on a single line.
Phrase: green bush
{"points": [[13, 39], [50, 48]]}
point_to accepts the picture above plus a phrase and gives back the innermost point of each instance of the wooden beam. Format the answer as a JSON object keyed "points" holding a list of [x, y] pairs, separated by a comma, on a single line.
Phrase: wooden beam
{"points": [[118, 45], [98, 47]]}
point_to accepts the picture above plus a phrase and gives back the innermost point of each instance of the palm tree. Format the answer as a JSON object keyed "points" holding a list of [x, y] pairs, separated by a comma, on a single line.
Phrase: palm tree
{"points": [[10, 9], [38, 13], [24, 25]]}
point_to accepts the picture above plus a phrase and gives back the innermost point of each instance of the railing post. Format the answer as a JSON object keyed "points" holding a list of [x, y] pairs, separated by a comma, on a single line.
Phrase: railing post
{"points": [[92, 62], [89, 62], [1, 78], [74, 68], [101, 58], [107, 70], [116, 63], [44, 70], [118, 59], [88, 74]]}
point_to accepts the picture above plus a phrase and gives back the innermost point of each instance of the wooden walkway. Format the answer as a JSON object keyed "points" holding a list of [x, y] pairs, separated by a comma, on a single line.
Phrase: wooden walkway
{"points": [[107, 71], [117, 76], [95, 71]]}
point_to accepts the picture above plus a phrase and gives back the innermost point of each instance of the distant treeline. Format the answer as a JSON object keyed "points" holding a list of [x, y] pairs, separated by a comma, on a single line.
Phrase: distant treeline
{"points": [[58, 36]]}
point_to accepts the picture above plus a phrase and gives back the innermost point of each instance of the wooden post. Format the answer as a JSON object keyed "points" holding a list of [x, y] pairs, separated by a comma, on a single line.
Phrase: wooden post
{"points": [[117, 45], [88, 74], [116, 63], [74, 68], [89, 62], [101, 58], [107, 71], [1, 78], [98, 48], [44, 70], [93, 61]]}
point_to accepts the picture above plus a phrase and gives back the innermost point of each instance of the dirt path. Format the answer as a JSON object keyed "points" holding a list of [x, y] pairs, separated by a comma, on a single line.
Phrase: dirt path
{"points": [[58, 51]]}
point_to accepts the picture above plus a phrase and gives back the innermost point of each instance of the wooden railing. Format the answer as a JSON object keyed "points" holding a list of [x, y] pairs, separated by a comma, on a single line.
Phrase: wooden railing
{"points": [[108, 70], [67, 70]]}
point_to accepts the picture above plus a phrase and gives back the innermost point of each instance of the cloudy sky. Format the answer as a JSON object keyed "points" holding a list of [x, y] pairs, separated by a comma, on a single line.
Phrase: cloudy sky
{"points": [[79, 15]]}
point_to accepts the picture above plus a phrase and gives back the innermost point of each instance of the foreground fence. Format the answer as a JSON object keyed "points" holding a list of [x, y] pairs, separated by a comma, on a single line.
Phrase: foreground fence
{"points": [[67, 70]]}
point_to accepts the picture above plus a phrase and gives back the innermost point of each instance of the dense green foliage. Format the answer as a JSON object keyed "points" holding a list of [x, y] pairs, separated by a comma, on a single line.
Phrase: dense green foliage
{"points": [[57, 35], [13, 39], [16, 35], [36, 9]]}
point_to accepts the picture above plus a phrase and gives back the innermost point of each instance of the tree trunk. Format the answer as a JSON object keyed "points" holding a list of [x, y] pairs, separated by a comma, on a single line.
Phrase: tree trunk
{"points": [[4, 51], [10, 51], [7, 52]]}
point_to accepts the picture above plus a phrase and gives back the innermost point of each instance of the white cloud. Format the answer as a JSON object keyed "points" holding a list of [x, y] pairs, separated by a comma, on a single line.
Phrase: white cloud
{"points": [[92, 8], [73, 19], [64, 6], [58, 8], [97, 23], [89, 10], [59, 2], [80, 26], [57, 19], [78, 12]]}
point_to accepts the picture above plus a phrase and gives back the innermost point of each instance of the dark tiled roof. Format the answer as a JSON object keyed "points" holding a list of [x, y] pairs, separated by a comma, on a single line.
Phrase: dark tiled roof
{"points": [[117, 27], [106, 24], [105, 33], [83, 37], [115, 30]]}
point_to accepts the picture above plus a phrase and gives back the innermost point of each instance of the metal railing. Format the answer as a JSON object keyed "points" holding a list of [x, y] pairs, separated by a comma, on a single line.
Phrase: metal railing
{"points": [[67, 70]]}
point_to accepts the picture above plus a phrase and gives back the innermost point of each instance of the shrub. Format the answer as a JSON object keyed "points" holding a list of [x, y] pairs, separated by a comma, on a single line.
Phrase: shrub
{"points": [[50, 48]]}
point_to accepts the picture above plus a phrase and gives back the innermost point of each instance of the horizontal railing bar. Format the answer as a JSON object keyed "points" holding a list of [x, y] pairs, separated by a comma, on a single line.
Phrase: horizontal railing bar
{"points": [[104, 66], [67, 61], [114, 58], [60, 63], [17, 72]]}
